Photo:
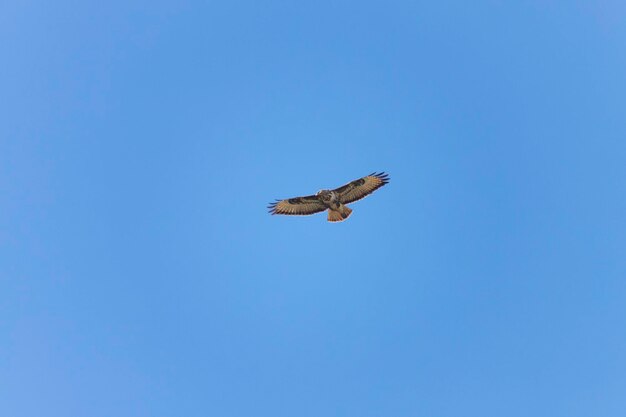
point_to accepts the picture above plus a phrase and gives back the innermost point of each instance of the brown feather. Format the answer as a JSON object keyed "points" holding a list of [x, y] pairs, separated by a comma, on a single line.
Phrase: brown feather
{"points": [[339, 215], [297, 206], [358, 189]]}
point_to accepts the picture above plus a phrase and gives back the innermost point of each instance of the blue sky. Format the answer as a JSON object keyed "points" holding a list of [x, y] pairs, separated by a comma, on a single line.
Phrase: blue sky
{"points": [[140, 274]]}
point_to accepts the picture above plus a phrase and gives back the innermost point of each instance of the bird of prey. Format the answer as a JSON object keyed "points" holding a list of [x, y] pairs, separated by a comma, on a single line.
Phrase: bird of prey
{"points": [[332, 200]]}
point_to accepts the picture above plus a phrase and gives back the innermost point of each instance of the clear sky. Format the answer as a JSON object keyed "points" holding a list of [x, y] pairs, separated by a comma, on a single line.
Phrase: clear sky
{"points": [[140, 274]]}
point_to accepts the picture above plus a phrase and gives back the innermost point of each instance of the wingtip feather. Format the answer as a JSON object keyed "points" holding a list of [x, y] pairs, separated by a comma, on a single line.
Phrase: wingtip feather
{"points": [[383, 176]]}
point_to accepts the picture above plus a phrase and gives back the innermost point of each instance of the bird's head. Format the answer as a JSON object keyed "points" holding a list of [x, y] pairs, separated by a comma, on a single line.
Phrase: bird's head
{"points": [[324, 195]]}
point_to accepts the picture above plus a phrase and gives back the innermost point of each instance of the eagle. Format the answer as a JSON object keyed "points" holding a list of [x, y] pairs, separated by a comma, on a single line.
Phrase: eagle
{"points": [[332, 200]]}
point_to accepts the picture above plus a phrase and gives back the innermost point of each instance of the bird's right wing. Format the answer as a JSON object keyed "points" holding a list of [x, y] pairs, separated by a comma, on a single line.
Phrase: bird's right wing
{"points": [[298, 206], [358, 189]]}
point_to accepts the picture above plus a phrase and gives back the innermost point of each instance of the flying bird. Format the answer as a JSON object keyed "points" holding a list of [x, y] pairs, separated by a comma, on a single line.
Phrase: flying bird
{"points": [[332, 200]]}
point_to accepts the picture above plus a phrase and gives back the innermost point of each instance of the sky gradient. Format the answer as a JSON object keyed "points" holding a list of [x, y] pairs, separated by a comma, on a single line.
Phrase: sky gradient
{"points": [[141, 275]]}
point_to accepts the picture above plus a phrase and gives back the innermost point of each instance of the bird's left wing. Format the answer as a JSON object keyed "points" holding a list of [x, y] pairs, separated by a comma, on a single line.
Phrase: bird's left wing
{"points": [[362, 187], [298, 206]]}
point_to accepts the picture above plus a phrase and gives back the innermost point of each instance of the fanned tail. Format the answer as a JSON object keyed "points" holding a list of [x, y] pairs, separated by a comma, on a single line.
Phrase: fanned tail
{"points": [[339, 215]]}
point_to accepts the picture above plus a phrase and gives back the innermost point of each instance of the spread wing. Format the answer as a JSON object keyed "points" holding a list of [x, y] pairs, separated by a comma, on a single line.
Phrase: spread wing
{"points": [[298, 206], [362, 187]]}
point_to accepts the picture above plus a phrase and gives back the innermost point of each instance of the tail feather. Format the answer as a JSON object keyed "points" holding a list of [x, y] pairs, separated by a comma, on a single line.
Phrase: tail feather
{"points": [[339, 215]]}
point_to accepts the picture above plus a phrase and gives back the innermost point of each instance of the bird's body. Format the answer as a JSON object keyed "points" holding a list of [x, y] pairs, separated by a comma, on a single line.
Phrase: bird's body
{"points": [[336, 210], [332, 200]]}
